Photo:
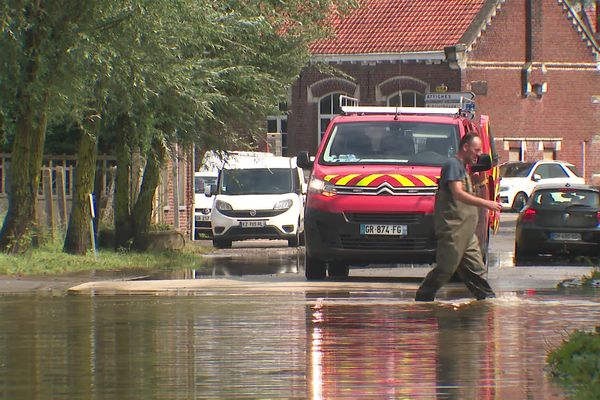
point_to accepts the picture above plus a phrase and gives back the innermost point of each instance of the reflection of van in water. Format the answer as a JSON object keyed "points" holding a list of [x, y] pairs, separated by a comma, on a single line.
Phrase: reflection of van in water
{"points": [[258, 196]]}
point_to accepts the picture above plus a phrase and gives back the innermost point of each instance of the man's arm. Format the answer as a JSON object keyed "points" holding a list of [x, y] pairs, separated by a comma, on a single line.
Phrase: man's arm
{"points": [[460, 195]]}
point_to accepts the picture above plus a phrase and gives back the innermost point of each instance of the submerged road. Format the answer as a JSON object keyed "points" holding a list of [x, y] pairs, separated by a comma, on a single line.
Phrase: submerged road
{"points": [[263, 266], [271, 266]]}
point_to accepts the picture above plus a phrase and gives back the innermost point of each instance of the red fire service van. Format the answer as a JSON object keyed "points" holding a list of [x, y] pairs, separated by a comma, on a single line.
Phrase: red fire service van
{"points": [[371, 194]]}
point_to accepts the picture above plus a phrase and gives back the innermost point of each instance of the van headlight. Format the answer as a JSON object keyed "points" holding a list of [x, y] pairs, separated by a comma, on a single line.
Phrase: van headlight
{"points": [[504, 188], [223, 206], [319, 186], [283, 204]]}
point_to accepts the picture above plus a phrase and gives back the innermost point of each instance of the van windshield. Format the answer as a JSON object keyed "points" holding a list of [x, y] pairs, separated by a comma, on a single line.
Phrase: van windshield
{"points": [[391, 142], [256, 181]]}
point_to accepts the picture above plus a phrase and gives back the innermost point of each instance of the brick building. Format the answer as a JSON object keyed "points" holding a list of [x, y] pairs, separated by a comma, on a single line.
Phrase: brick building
{"points": [[534, 66]]}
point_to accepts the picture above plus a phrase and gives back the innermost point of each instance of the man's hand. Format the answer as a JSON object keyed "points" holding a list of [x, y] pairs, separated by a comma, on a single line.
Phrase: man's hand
{"points": [[459, 194], [493, 205]]}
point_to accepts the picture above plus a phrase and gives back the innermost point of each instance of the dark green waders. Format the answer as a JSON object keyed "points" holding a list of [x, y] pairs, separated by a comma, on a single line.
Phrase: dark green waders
{"points": [[457, 248]]}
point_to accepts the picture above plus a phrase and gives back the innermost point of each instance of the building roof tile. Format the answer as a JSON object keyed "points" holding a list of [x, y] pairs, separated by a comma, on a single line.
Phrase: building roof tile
{"points": [[399, 26]]}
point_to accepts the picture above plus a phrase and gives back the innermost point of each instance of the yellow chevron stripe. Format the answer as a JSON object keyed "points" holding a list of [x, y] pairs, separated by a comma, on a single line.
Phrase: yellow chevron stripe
{"points": [[329, 177], [368, 179], [425, 180], [343, 181], [402, 180]]}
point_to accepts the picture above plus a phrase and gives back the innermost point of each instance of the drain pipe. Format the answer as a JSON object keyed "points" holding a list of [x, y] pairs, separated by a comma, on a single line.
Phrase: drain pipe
{"points": [[583, 158]]}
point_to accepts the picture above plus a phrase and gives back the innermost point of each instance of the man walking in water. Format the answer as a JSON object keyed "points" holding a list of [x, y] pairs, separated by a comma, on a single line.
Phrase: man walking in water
{"points": [[455, 219]]}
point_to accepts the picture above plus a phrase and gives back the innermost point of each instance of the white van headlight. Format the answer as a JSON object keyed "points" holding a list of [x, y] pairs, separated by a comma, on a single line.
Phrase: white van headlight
{"points": [[283, 204], [504, 188], [321, 187], [223, 206]]}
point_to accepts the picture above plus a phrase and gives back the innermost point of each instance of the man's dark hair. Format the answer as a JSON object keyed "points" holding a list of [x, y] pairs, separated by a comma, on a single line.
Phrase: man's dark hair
{"points": [[467, 139]]}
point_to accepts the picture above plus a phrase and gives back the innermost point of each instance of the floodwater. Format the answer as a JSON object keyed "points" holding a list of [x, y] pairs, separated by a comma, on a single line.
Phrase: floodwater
{"points": [[355, 344]]}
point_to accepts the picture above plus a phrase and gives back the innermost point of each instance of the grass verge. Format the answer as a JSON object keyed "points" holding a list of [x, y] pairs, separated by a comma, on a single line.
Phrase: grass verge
{"points": [[49, 259], [576, 364]]}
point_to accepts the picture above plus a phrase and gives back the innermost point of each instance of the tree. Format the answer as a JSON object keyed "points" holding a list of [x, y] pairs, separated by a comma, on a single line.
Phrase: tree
{"points": [[172, 72], [229, 66], [36, 37]]}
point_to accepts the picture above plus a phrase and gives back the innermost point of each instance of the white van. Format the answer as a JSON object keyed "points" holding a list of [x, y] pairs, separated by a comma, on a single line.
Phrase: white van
{"points": [[202, 203], [258, 196]]}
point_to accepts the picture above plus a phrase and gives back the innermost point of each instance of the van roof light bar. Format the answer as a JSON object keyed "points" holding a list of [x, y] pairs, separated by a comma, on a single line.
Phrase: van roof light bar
{"points": [[451, 111]]}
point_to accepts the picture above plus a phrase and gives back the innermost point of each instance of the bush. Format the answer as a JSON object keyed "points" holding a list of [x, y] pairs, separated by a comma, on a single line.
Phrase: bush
{"points": [[576, 364]]}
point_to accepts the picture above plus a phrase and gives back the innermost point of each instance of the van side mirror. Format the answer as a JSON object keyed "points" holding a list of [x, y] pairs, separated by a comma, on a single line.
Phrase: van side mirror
{"points": [[536, 177], [484, 163], [303, 160], [210, 190]]}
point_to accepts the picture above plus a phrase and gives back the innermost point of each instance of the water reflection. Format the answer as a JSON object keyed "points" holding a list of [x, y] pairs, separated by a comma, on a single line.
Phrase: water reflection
{"points": [[339, 345], [264, 263], [450, 350]]}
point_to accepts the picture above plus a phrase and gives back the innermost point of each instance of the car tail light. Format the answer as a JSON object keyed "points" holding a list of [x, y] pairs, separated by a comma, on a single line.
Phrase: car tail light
{"points": [[528, 215], [598, 217]]}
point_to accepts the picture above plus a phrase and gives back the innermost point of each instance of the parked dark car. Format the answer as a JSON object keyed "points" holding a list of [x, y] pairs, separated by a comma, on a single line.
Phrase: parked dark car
{"points": [[559, 219]]}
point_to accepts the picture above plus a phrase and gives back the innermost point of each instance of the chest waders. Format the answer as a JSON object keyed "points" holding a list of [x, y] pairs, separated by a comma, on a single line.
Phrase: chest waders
{"points": [[457, 247]]}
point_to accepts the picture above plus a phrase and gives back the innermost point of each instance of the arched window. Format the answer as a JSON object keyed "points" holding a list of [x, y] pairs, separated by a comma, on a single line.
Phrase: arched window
{"points": [[329, 107], [406, 98]]}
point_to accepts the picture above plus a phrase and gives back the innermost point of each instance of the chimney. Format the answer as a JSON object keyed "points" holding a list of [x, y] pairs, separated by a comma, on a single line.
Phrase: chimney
{"points": [[533, 29]]}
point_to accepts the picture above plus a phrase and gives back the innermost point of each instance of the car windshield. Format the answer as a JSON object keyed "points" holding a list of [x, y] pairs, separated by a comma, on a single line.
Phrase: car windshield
{"points": [[515, 170], [390, 142], [201, 181], [257, 181], [566, 197]]}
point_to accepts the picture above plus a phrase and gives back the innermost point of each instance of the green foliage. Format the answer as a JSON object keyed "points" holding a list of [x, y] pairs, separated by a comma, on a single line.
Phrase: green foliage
{"points": [[181, 72], [576, 364], [196, 71], [161, 227]]}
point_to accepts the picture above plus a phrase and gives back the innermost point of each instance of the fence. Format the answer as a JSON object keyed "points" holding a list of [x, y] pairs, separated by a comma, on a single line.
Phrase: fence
{"points": [[56, 188]]}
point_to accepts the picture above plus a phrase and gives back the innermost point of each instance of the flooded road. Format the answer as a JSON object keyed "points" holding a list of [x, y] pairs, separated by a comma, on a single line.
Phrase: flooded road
{"points": [[249, 326], [374, 344]]}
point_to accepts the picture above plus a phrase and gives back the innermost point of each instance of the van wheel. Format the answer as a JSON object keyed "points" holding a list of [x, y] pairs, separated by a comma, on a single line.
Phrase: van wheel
{"points": [[314, 268], [222, 243], [338, 270], [519, 201]]}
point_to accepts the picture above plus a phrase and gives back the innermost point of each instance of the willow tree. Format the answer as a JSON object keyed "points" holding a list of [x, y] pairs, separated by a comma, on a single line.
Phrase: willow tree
{"points": [[36, 81], [200, 72]]}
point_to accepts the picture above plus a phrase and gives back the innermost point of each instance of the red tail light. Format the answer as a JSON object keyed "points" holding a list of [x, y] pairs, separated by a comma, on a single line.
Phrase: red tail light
{"points": [[528, 215], [598, 217]]}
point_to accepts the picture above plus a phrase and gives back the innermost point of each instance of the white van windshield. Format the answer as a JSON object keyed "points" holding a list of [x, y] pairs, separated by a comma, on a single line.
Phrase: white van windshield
{"points": [[256, 181], [391, 142]]}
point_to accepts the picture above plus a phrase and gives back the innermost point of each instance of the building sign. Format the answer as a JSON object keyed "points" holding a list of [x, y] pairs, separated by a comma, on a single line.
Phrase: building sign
{"points": [[449, 99]]}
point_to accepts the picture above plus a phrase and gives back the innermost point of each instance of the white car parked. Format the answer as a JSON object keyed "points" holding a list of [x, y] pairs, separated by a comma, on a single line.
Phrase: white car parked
{"points": [[258, 196], [517, 179]]}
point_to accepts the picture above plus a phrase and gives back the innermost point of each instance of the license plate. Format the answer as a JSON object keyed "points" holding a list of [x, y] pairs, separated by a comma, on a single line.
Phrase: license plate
{"points": [[380, 229], [253, 224], [202, 217], [565, 236]]}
